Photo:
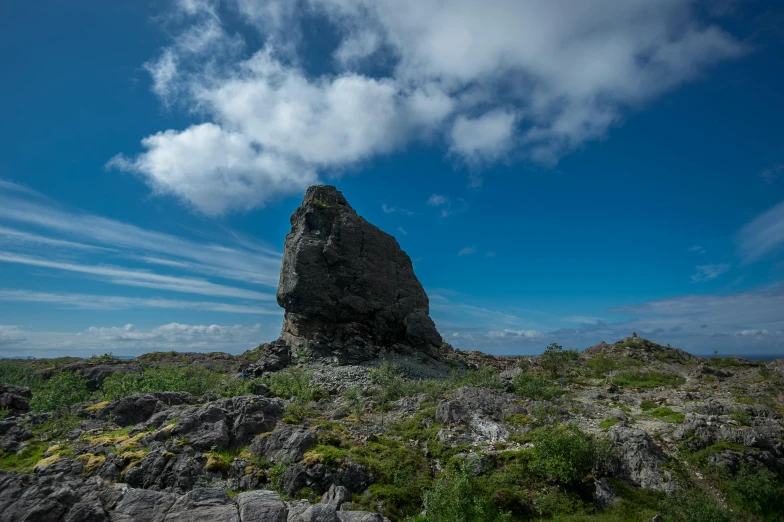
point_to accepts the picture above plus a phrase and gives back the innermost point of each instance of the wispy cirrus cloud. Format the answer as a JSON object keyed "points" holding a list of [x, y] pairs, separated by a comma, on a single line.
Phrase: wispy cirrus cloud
{"points": [[467, 251], [113, 302], [127, 277], [247, 262], [762, 235], [38, 233], [709, 272]]}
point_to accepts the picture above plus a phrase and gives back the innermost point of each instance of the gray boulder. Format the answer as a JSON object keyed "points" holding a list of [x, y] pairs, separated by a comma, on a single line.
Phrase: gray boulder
{"points": [[15, 398], [336, 496], [227, 422], [285, 444], [639, 459], [130, 410], [261, 506], [203, 505], [348, 289]]}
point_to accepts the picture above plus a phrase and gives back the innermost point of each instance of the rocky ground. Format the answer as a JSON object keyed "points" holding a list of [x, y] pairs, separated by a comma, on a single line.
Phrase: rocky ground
{"points": [[624, 431]]}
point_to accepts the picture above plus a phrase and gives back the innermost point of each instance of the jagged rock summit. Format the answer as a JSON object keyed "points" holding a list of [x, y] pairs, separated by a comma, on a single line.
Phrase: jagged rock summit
{"points": [[348, 289]]}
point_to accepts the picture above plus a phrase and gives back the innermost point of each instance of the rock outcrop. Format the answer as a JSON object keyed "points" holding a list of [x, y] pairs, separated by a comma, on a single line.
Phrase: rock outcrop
{"points": [[348, 289]]}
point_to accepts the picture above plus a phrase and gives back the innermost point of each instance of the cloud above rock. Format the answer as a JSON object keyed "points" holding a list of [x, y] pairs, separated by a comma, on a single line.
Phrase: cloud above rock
{"points": [[482, 80]]}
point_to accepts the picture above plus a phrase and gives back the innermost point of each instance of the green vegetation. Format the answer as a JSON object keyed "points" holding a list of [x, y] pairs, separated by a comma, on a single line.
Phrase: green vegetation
{"points": [[536, 387], [601, 365], [563, 454], [642, 379], [694, 505], [24, 461], [168, 377], [555, 359], [721, 363], [293, 382], [648, 405], [742, 417], [60, 392], [455, 497], [606, 424], [758, 491], [667, 415]]}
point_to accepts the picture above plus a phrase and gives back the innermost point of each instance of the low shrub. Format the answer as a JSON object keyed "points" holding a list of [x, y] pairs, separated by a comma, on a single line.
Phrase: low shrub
{"points": [[481, 378], [742, 417], [757, 491], [694, 506], [536, 387], [292, 382], [456, 497], [555, 359], [60, 392], [563, 454]]}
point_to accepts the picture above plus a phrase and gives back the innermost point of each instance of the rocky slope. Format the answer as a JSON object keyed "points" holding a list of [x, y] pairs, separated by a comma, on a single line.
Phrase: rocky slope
{"points": [[367, 442]]}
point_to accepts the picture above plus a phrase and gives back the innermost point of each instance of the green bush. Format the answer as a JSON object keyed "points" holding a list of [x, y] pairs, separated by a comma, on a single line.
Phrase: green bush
{"points": [[757, 491], [17, 373], [694, 506], [481, 378], [555, 359], [536, 387], [742, 417], [192, 379], [121, 384], [59, 392], [456, 497], [564, 454], [292, 382]]}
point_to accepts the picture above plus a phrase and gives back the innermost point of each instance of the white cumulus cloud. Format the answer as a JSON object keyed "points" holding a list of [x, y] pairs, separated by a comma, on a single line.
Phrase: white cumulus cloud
{"points": [[480, 78]]}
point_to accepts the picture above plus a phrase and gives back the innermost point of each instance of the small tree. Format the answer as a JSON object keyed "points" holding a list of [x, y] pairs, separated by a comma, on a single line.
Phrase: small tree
{"points": [[555, 358]]}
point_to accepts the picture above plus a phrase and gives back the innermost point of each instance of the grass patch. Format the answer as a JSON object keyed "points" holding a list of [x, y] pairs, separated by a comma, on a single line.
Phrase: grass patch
{"points": [[24, 461], [742, 417], [536, 387], [98, 406], [667, 415], [327, 455], [606, 424], [640, 379]]}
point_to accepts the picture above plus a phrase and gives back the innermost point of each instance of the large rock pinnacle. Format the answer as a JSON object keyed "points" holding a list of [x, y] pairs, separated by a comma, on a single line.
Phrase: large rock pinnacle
{"points": [[348, 289]]}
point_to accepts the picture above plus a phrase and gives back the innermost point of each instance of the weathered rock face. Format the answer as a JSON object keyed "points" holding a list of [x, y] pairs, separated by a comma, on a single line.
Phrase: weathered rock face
{"points": [[348, 289]]}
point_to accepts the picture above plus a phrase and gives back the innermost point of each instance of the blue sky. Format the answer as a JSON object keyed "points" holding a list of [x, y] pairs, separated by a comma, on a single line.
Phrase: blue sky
{"points": [[558, 171]]}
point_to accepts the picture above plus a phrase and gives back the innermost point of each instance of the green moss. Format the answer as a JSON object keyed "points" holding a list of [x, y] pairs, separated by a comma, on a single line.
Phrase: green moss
{"points": [[608, 423], [24, 461], [327, 455], [648, 405], [667, 415], [742, 417], [518, 419]]}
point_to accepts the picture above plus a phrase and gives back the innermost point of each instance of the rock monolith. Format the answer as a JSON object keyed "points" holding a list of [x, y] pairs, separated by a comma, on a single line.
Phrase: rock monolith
{"points": [[348, 289]]}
